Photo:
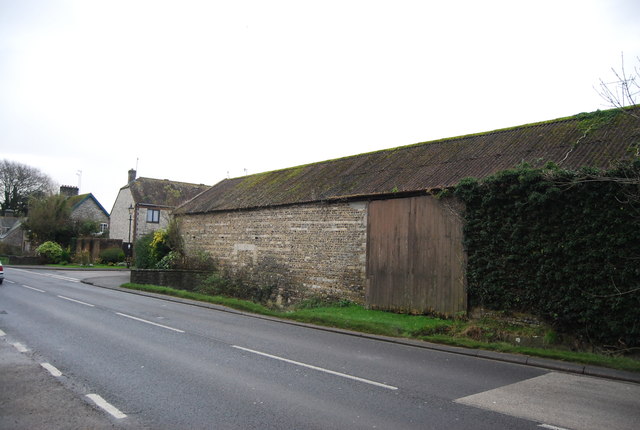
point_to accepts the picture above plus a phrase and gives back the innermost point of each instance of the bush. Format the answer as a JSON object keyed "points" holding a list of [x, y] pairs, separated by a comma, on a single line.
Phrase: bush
{"points": [[112, 255], [144, 256], [51, 251], [559, 244], [218, 285]]}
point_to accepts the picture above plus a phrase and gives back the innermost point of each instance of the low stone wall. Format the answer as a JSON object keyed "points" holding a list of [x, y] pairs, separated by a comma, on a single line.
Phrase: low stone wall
{"points": [[181, 279], [25, 260]]}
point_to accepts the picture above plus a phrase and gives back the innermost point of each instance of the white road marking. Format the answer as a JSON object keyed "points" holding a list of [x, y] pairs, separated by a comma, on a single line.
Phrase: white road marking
{"points": [[150, 322], [108, 407], [20, 347], [320, 369], [55, 372], [64, 278], [77, 301], [8, 281], [550, 427], [2, 333], [34, 289]]}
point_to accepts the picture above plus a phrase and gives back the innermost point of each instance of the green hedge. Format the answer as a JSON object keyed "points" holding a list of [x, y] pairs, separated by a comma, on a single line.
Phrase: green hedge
{"points": [[564, 245]]}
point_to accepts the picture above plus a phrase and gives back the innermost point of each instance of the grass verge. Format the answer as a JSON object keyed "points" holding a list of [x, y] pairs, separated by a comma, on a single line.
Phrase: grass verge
{"points": [[421, 327]]}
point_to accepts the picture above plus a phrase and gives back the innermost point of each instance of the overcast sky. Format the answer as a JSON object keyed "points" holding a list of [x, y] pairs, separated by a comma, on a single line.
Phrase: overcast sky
{"points": [[196, 91]]}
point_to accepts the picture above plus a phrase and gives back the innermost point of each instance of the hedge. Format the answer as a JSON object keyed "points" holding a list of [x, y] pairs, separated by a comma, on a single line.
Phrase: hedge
{"points": [[563, 245]]}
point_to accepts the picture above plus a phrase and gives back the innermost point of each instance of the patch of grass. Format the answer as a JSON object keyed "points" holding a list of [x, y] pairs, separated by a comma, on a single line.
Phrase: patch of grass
{"points": [[467, 334]]}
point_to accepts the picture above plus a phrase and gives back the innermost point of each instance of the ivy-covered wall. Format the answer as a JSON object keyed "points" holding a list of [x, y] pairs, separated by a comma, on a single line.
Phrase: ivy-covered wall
{"points": [[564, 245]]}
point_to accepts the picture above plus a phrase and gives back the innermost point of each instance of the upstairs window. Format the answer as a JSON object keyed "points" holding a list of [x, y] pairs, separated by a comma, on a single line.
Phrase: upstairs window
{"points": [[153, 215], [103, 227]]}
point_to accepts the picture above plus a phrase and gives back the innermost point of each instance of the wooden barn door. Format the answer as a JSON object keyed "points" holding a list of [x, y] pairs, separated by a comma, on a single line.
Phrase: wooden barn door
{"points": [[415, 257]]}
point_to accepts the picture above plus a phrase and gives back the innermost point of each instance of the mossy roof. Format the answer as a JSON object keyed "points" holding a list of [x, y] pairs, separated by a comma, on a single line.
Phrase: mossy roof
{"points": [[162, 192], [594, 139]]}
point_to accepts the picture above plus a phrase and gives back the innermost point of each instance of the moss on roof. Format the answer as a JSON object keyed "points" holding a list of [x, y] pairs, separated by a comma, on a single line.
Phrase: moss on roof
{"points": [[162, 192], [592, 139]]}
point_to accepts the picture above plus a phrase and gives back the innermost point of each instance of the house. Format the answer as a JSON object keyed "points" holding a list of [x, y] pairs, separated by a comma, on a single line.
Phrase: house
{"points": [[144, 204], [367, 227], [12, 237], [85, 207]]}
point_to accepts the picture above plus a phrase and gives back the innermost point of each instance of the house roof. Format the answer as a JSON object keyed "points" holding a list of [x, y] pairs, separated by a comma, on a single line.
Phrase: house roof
{"points": [[594, 139], [76, 201], [162, 192]]}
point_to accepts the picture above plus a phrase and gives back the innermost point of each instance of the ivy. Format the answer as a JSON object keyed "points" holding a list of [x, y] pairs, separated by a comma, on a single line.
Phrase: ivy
{"points": [[563, 245]]}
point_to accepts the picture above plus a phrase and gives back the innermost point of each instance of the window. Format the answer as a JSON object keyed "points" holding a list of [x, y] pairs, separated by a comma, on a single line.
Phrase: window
{"points": [[103, 227], [153, 215]]}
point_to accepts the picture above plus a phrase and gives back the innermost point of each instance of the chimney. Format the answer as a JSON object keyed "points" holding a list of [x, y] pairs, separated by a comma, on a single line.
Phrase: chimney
{"points": [[132, 176], [69, 191]]}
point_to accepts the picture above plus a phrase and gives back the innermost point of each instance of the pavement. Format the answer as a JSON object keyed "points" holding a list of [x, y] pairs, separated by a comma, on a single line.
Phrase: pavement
{"points": [[32, 397]]}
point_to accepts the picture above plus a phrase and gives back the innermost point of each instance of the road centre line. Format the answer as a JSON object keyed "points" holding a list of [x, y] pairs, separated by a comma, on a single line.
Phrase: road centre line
{"points": [[2, 333], [20, 347], [33, 288], [320, 369], [102, 403], [51, 369], [150, 322], [77, 301], [550, 427]]}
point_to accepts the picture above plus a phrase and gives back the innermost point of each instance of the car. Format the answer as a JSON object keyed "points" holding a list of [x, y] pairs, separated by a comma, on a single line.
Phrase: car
{"points": [[1, 273]]}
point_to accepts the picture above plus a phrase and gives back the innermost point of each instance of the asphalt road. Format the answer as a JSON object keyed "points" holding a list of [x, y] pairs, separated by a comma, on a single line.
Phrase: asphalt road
{"points": [[167, 365]]}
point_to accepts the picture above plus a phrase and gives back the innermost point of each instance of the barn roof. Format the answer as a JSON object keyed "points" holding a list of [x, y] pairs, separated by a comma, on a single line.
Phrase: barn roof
{"points": [[162, 192], [593, 139]]}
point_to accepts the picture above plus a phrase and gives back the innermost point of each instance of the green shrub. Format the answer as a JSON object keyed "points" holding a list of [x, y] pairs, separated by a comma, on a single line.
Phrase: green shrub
{"points": [[112, 255], [218, 285], [144, 256], [560, 244], [51, 251]]}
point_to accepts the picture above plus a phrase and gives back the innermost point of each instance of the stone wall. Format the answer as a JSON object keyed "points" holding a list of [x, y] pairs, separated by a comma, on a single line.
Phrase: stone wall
{"points": [[95, 245], [303, 250], [88, 210], [179, 279]]}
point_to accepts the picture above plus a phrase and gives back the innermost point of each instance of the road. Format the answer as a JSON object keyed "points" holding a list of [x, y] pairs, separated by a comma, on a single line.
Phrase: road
{"points": [[165, 365]]}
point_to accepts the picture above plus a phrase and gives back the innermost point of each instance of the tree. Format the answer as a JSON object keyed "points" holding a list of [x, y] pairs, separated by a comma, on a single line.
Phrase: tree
{"points": [[19, 183], [624, 90], [50, 220]]}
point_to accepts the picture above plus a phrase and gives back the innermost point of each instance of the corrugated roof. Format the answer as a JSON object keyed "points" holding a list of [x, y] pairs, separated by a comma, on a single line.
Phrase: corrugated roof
{"points": [[162, 192], [594, 139]]}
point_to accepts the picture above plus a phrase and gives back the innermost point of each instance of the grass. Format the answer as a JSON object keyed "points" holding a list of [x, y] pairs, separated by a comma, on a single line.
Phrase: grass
{"points": [[444, 331]]}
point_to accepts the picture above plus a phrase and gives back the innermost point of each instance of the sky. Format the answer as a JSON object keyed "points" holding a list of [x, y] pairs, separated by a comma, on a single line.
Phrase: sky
{"points": [[198, 91]]}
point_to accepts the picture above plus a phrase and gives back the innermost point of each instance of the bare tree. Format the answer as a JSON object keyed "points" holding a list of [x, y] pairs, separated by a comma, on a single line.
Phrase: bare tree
{"points": [[624, 90], [18, 183]]}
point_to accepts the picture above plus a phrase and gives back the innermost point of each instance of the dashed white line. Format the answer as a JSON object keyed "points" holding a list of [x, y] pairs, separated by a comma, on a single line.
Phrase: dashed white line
{"points": [[51, 369], [77, 301], [34, 289], [320, 369], [20, 347], [150, 322], [102, 403], [550, 427], [2, 333]]}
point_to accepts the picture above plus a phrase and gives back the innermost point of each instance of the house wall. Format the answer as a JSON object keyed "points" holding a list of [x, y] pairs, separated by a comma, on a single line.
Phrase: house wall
{"points": [[143, 227], [304, 250], [119, 219], [88, 210]]}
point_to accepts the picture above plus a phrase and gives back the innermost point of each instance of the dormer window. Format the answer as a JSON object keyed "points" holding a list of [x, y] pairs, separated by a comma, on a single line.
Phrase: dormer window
{"points": [[153, 215]]}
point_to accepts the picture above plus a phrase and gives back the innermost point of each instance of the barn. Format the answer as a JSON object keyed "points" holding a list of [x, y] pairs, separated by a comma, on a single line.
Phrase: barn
{"points": [[369, 227]]}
